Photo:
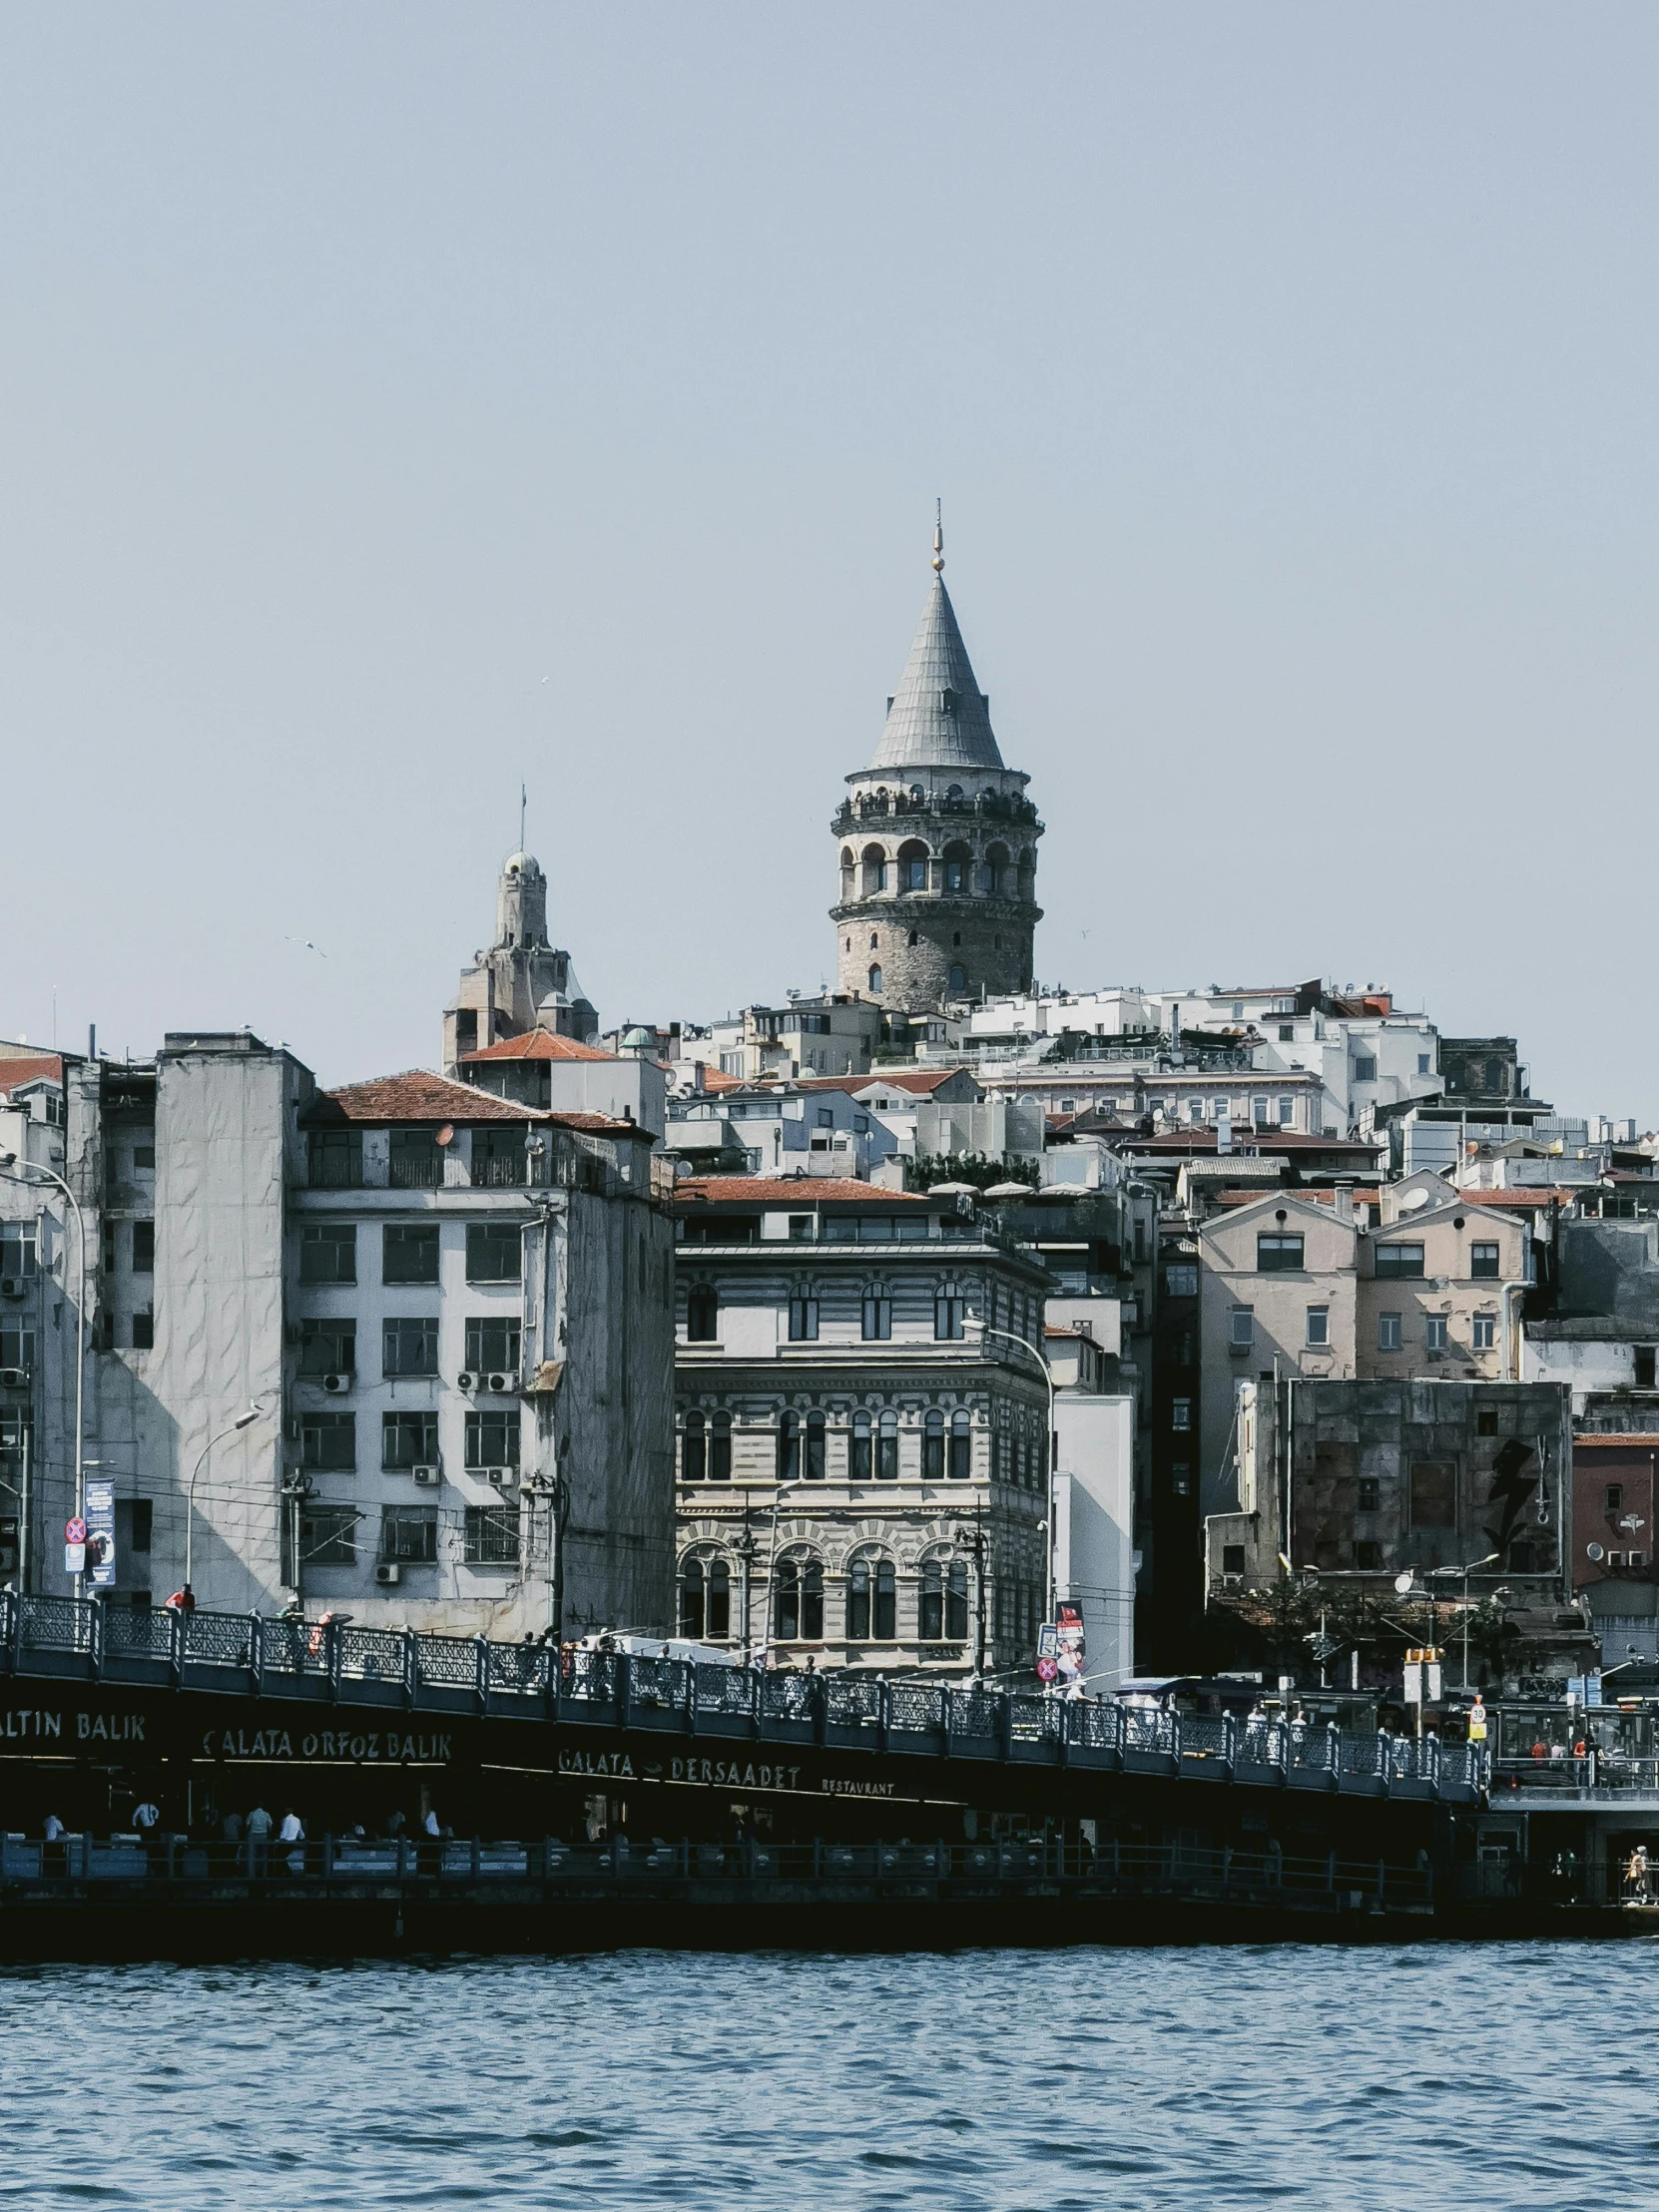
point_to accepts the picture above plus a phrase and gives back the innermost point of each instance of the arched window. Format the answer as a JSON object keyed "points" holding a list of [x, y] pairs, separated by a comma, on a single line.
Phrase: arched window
{"points": [[876, 980], [719, 1449], [798, 1602], [705, 1599], [918, 798], [875, 870], [953, 794], [858, 1463], [958, 979], [933, 1448], [956, 1601], [692, 1599], [944, 1609], [788, 1447], [702, 1314], [871, 1602], [693, 1450], [961, 1447], [912, 867], [887, 1449], [814, 1467], [913, 937], [958, 861]]}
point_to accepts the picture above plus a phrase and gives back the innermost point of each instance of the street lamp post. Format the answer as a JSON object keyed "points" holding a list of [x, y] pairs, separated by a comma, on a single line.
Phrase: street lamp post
{"points": [[1465, 1571], [243, 1421], [983, 1329], [772, 1558], [9, 1166]]}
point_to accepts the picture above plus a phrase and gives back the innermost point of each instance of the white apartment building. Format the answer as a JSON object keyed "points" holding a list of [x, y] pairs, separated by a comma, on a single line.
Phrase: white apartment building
{"points": [[329, 1263]]}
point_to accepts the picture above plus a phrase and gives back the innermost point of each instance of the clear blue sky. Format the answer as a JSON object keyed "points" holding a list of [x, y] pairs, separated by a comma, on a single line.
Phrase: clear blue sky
{"points": [[398, 399]]}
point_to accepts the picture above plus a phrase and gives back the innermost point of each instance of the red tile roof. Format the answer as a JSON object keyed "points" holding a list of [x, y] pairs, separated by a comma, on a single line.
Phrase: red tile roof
{"points": [[920, 1080], [785, 1190], [715, 1079], [416, 1096], [28, 1067], [536, 1044]]}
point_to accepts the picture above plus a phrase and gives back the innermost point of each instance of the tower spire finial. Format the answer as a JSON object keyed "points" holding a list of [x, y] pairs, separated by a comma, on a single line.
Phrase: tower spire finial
{"points": [[523, 807], [938, 536]]}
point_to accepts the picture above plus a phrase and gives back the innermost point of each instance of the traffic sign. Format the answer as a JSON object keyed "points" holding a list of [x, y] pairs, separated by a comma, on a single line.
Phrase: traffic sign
{"points": [[74, 1558], [75, 1532], [1048, 1669]]}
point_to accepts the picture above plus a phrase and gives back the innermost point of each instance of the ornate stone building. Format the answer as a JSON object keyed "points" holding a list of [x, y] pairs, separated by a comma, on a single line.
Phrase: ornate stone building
{"points": [[861, 1471], [937, 841]]}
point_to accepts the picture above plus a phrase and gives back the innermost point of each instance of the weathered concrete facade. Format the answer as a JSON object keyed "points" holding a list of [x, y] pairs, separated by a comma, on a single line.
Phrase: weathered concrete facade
{"points": [[1389, 1477], [494, 1311]]}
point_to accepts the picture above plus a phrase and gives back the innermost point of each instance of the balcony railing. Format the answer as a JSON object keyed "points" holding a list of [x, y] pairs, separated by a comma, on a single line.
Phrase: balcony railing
{"points": [[497, 1171]]}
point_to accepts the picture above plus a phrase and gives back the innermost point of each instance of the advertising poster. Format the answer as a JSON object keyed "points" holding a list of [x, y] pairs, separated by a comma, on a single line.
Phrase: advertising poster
{"points": [[1071, 1652], [100, 1518]]}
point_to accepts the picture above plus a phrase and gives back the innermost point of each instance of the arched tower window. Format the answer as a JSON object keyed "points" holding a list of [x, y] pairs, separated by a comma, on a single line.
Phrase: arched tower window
{"points": [[959, 981], [876, 980], [912, 867]]}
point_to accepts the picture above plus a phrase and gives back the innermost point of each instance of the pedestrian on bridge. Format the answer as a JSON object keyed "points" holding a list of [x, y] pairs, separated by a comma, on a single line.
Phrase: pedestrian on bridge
{"points": [[259, 1840], [292, 1834]]}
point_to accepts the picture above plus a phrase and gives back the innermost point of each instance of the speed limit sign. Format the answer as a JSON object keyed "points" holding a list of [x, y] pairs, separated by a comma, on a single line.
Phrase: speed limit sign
{"points": [[75, 1532]]}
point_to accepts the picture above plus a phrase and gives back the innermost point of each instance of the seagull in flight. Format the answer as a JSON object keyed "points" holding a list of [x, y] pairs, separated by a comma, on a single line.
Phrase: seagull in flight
{"points": [[310, 947]]}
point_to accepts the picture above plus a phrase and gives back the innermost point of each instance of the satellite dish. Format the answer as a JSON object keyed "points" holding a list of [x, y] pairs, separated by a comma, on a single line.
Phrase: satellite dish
{"points": [[1402, 1583], [445, 1135], [1594, 1551], [1412, 1201]]}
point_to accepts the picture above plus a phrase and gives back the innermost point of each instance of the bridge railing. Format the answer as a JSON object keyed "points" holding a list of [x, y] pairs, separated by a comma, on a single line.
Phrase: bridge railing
{"points": [[338, 1658], [1104, 1868]]}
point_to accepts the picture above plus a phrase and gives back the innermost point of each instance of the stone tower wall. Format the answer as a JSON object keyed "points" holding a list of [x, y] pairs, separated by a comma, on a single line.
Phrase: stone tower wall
{"points": [[974, 909]]}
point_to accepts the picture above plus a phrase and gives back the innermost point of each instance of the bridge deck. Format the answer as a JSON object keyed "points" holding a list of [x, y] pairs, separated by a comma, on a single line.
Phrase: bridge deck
{"points": [[337, 1664]]}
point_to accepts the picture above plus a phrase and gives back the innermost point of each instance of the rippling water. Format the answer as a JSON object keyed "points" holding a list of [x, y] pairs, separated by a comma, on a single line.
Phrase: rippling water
{"points": [[1428, 2076]]}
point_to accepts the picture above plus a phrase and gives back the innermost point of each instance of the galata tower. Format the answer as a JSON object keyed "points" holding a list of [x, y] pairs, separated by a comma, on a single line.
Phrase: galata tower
{"points": [[937, 841]]}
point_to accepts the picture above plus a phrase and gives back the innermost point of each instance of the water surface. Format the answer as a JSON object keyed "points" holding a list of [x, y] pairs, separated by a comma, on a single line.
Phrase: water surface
{"points": [[1421, 2077]]}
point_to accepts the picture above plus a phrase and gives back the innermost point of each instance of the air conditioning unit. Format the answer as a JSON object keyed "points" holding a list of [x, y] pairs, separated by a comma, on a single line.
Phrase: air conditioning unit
{"points": [[14, 1379], [501, 1478], [500, 1381], [466, 1381], [389, 1574], [429, 1476], [336, 1383], [12, 1286]]}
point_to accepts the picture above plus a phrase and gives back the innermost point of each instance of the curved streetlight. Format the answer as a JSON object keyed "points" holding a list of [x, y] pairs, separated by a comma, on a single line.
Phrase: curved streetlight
{"points": [[243, 1421], [1465, 1571], [11, 1167], [985, 1329]]}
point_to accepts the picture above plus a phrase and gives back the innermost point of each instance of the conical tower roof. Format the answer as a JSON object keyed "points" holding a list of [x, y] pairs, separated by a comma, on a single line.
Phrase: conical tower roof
{"points": [[939, 718]]}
